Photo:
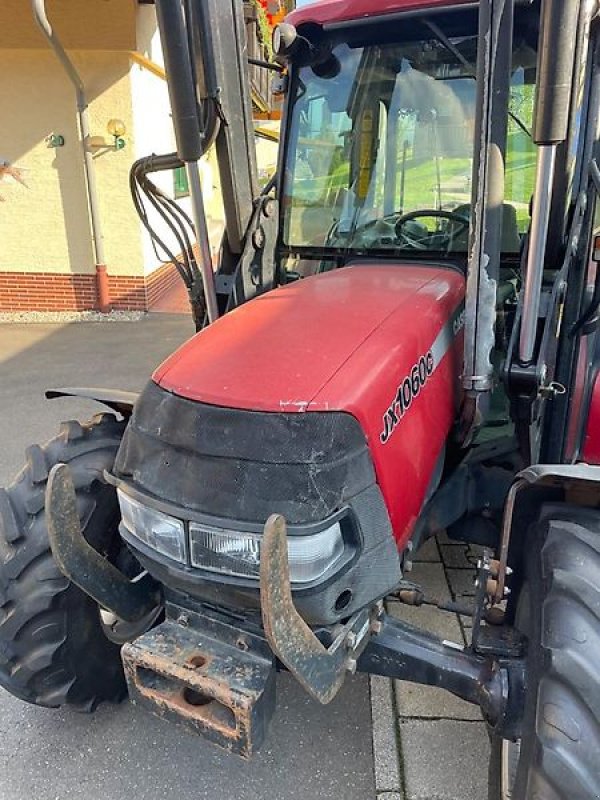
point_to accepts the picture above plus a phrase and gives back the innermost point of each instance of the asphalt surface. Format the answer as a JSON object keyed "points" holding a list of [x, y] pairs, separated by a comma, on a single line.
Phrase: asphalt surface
{"points": [[121, 753]]}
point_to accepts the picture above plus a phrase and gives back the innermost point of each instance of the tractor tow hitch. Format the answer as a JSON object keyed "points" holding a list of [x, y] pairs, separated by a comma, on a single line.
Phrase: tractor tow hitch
{"points": [[206, 674]]}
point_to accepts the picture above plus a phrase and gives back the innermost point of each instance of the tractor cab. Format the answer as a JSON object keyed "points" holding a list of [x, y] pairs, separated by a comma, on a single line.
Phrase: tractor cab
{"points": [[380, 141]]}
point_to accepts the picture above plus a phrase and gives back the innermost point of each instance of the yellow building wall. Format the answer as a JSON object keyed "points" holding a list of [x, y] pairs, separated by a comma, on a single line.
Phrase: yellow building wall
{"points": [[45, 227], [81, 24]]}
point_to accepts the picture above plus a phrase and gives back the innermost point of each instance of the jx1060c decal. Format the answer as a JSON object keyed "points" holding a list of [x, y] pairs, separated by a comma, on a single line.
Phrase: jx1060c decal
{"points": [[409, 389], [411, 385]]}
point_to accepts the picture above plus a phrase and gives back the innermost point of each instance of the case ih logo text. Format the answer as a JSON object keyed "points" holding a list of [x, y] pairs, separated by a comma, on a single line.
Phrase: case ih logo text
{"points": [[459, 323], [409, 388]]}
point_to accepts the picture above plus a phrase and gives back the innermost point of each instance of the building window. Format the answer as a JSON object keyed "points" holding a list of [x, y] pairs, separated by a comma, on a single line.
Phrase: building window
{"points": [[180, 182]]}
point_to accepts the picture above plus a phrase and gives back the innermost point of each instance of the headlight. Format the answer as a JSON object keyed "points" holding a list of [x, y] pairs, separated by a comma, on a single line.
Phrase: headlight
{"points": [[159, 531], [238, 553]]}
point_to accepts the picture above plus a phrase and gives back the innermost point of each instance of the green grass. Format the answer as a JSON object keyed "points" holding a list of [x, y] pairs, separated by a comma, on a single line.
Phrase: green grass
{"points": [[421, 181]]}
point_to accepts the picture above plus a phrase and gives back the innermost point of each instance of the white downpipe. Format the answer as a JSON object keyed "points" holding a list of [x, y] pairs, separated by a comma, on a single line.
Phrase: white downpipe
{"points": [[39, 11]]}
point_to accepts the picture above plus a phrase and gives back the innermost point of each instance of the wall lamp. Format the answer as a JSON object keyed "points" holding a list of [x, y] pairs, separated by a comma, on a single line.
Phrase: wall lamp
{"points": [[116, 129], [55, 140]]}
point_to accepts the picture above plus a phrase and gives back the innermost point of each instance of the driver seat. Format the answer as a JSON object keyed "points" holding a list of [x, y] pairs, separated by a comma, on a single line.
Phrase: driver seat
{"points": [[511, 241]]}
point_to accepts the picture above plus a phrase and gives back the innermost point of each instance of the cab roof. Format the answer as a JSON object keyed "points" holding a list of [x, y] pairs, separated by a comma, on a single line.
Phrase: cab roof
{"points": [[330, 12]]}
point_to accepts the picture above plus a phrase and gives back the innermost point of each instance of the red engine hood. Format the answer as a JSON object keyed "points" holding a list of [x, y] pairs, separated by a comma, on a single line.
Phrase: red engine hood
{"points": [[380, 342], [278, 352]]}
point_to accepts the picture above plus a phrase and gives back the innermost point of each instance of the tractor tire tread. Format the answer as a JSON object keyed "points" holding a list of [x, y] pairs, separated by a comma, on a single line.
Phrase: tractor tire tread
{"points": [[568, 720], [47, 643]]}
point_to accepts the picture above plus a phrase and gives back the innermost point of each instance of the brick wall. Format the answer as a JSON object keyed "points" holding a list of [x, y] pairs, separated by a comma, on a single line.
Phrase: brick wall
{"points": [[45, 291], [159, 282]]}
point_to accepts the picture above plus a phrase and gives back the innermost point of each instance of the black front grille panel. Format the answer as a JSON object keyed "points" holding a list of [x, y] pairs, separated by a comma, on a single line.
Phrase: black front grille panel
{"points": [[243, 465]]}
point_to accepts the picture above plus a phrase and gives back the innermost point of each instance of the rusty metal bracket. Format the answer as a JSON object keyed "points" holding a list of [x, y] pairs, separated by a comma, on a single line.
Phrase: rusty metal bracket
{"points": [[320, 670], [498, 592], [215, 679], [83, 565]]}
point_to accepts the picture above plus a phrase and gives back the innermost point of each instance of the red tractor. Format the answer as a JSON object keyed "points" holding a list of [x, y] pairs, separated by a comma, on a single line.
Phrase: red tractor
{"points": [[400, 338]]}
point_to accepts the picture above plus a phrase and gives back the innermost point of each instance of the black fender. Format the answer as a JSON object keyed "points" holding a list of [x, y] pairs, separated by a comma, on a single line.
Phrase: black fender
{"points": [[534, 487], [117, 400]]}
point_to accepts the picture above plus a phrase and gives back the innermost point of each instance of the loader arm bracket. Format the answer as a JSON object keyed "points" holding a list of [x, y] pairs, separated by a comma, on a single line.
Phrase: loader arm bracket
{"points": [[83, 565], [320, 670]]}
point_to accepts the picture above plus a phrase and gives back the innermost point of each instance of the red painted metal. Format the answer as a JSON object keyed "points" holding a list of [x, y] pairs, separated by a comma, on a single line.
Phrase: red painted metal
{"points": [[326, 12], [341, 341], [591, 443]]}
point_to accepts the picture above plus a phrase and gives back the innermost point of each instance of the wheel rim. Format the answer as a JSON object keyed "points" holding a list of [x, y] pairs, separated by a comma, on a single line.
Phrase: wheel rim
{"points": [[511, 752]]}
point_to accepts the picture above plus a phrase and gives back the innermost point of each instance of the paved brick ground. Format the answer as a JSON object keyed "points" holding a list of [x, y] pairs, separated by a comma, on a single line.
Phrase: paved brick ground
{"points": [[429, 745]]}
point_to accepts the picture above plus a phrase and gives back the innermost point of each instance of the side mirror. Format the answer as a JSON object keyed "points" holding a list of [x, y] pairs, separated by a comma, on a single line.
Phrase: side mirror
{"points": [[287, 42], [289, 45]]}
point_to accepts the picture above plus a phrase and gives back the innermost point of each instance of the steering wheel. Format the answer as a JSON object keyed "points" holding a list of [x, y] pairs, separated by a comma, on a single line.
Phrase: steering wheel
{"points": [[422, 244]]}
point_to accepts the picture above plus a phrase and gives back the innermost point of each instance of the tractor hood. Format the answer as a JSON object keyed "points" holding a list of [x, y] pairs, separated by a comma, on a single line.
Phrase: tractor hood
{"points": [[378, 344], [280, 351]]}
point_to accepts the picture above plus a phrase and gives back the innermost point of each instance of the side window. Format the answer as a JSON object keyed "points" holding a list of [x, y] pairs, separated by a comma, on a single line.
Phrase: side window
{"points": [[520, 151]]}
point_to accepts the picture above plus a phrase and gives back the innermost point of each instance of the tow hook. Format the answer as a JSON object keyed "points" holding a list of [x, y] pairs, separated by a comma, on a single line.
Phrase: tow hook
{"points": [[320, 670]]}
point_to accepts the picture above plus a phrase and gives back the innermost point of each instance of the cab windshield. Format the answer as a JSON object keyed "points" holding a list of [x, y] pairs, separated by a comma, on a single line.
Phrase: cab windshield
{"points": [[381, 149]]}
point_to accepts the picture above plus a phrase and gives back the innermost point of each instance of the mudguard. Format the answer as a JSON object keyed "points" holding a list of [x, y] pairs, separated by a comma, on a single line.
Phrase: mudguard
{"points": [[119, 401]]}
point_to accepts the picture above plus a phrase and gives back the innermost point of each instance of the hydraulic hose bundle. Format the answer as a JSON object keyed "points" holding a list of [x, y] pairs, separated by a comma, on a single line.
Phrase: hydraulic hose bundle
{"points": [[145, 191]]}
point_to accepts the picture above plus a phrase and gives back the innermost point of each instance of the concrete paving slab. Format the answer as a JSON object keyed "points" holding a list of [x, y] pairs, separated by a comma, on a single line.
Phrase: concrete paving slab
{"points": [[461, 556], [428, 551], [457, 557], [441, 623], [462, 583], [443, 538], [444, 760], [429, 702], [385, 740], [432, 577]]}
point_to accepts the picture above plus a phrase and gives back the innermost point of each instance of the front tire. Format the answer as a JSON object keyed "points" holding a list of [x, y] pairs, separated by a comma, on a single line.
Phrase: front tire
{"points": [[558, 610], [53, 649]]}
